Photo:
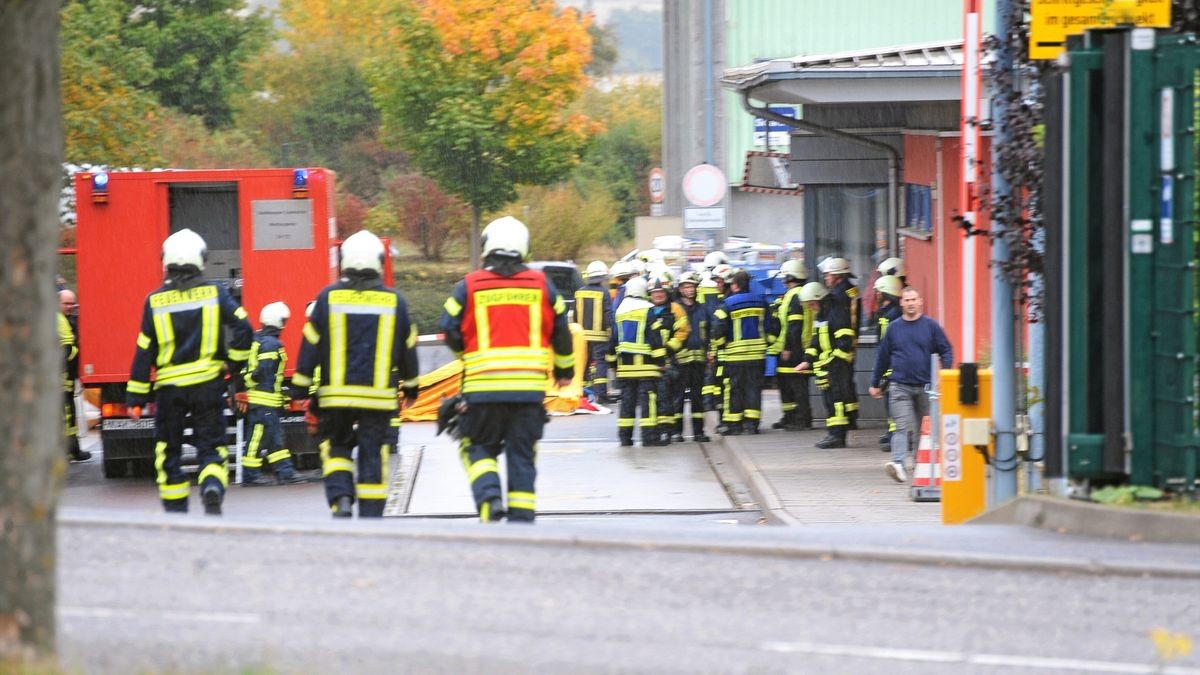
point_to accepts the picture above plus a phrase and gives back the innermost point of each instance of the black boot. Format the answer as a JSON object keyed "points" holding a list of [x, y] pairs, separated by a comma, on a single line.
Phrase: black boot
{"points": [[626, 438], [343, 507], [698, 432], [212, 500], [731, 429], [750, 427], [492, 511], [834, 439]]}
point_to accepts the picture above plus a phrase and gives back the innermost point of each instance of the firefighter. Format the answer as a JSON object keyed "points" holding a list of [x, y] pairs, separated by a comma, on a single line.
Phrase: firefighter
{"points": [[505, 322], [66, 338], [887, 294], [794, 331], [739, 331], [691, 359], [263, 400], [636, 350], [362, 339], [829, 357], [672, 324], [620, 272], [183, 337], [893, 267], [846, 295], [593, 312], [714, 376]]}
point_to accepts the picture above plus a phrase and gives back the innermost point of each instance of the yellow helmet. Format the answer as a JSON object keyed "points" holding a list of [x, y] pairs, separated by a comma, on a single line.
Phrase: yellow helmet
{"points": [[794, 270], [813, 291], [890, 285]]}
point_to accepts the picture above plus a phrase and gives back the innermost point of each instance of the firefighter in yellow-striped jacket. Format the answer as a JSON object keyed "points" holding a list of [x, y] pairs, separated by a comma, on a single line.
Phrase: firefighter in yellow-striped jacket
{"points": [[829, 357], [887, 293], [795, 330], [263, 400], [184, 324], [638, 356], [362, 339], [740, 333], [593, 313]]}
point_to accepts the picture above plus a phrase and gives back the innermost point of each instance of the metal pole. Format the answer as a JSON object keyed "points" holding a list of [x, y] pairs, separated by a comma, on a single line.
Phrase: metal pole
{"points": [[708, 81], [1004, 463]]}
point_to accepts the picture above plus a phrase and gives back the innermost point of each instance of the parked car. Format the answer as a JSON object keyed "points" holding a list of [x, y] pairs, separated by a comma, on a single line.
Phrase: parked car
{"points": [[565, 276]]}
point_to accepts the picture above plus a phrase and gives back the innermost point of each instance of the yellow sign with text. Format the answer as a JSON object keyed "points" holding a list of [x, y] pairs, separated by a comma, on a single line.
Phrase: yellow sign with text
{"points": [[1051, 21]]}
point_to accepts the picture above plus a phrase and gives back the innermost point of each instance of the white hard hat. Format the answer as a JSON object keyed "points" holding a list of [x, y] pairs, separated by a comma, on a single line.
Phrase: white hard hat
{"points": [[688, 278], [650, 255], [274, 314], [889, 284], [892, 266], [308, 309], [715, 258], [636, 288], [813, 291], [621, 268], [362, 251], [639, 267], [505, 236], [836, 266], [723, 272], [596, 268], [793, 269], [661, 282], [184, 248]]}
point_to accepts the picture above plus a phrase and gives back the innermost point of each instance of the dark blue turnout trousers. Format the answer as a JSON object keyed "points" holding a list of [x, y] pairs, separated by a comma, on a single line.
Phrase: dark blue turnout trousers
{"points": [[510, 428], [339, 436]]}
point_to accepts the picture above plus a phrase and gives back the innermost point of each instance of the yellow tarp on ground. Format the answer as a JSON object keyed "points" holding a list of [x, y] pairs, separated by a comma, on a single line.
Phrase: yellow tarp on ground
{"points": [[444, 382]]}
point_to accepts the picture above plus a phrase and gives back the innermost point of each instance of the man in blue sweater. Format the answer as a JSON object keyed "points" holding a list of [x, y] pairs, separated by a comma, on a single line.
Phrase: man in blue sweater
{"points": [[905, 349]]}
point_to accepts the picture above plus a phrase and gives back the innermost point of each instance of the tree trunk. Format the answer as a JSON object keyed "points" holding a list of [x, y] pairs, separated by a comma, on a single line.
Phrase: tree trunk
{"points": [[476, 216], [32, 453]]}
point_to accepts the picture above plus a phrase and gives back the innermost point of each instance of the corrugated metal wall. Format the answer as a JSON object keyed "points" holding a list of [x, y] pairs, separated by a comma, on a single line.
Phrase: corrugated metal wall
{"points": [[757, 30]]}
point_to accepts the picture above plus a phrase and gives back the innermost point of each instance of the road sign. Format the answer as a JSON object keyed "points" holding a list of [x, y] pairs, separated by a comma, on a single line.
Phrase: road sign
{"points": [[710, 218], [1051, 21], [658, 185], [704, 185], [657, 209]]}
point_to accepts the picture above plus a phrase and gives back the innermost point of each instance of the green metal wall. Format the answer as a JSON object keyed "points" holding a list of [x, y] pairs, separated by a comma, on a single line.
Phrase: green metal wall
{"points": [[756, 30]]}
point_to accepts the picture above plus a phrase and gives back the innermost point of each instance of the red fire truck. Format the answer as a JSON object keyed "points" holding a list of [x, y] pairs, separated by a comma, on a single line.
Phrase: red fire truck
{"points": [[271, 235]]}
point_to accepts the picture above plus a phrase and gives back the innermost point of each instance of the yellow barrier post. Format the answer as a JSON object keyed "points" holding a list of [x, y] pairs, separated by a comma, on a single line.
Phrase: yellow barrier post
{"points": [[964, 472]]}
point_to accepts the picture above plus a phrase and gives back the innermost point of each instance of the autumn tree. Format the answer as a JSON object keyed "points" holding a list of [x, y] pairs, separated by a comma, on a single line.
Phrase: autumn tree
{"points": [[32, 456], [480, 93], [429, 217], [566, 219]]}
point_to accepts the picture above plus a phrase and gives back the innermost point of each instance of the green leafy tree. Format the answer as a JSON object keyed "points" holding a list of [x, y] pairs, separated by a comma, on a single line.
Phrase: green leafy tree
{"points": [[429, 217], [199, 48], [479, 94], [566, 219]]}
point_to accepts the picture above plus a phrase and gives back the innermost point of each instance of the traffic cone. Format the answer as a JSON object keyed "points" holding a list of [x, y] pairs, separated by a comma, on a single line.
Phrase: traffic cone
{"points": [[927, 472]]}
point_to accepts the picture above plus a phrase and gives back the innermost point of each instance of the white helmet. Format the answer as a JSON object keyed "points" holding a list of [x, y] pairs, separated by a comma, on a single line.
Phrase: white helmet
{"points": [[639, 267], [636, 288], [836, 266], [362, 251], [723, 272], [650, 256], [620, 269], [715, 258], [892, 267], [794, 270], [274, 314], [184, 248], [309, 308], [505, 236], [813, 291], [596, 268], [688, 278], [889, 284]]}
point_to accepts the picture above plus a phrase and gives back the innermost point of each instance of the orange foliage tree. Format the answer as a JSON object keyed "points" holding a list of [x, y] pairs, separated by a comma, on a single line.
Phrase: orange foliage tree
{"points": [[480, 94]]}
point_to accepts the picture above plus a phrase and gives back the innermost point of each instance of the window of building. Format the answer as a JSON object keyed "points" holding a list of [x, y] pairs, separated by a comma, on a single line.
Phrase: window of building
{"points": [[918, 209]]}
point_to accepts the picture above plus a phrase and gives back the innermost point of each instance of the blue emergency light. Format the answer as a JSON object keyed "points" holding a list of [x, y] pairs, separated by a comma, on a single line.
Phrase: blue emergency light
{"points": [[300, 182], [100, 187]]}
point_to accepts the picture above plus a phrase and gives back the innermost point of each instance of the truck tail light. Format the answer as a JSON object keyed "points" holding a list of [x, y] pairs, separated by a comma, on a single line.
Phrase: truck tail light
{"points": [[113, 410]]}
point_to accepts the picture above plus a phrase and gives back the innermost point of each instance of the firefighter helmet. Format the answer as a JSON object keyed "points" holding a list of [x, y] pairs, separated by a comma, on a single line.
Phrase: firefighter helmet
{"points": [[836, 266], [274, 314], [688, 278], [659, 283], [650, 256], [639, 267], [793, 270], [890, 285], [620, 269], [636, 288], [309, 308], [506, 236], [892, 267], [184, 249], [723, 272], [596, 269], [362, 251], [715, 258], [813, 291]]}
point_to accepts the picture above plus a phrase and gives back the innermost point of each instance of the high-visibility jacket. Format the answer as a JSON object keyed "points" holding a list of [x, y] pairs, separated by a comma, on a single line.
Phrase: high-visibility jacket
{"points": [[673, 324], [695, 347], [509, 331], [739, 328], [182, 337], [794, 323], [636, 344], [886, 315], [593, 312], [709, 296], [845, 294], [364, 343], [264, 369], [832, 337], [66, 338]]}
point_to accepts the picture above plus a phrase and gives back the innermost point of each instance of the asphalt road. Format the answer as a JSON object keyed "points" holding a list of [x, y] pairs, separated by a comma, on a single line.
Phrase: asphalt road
{"points": [[436, 596]]}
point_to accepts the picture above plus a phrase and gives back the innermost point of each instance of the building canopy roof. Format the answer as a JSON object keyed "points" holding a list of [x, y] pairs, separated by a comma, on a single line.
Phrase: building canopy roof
{"points": [[913, 73]]}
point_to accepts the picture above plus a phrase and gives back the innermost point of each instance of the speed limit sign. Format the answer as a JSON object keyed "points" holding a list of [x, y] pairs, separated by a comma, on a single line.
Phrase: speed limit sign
{"points": [[658, 184]]}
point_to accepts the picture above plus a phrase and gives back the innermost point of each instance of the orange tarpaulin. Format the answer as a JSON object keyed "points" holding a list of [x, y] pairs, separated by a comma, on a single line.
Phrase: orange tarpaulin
{"points": [[444, 382]]}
